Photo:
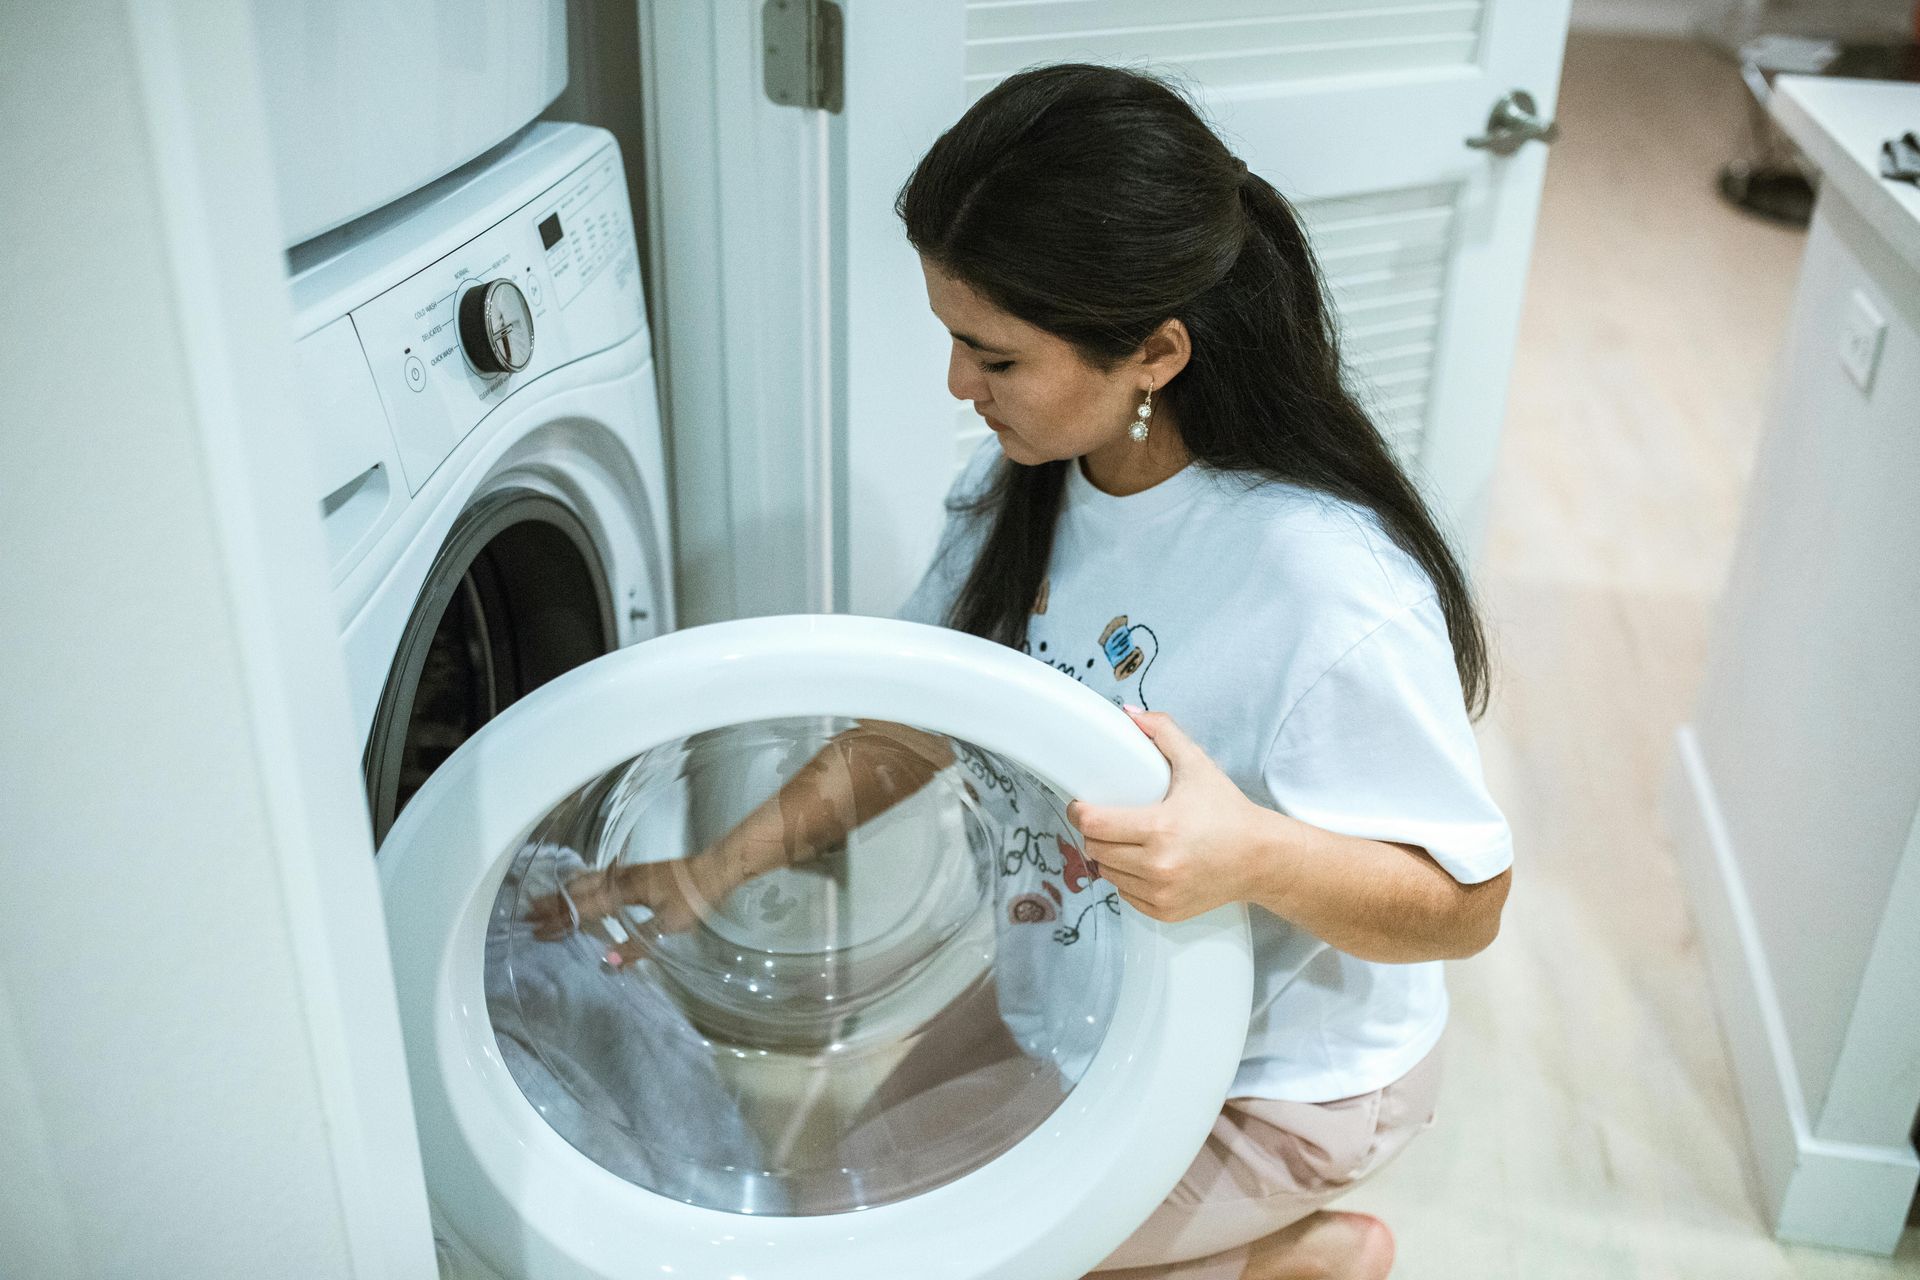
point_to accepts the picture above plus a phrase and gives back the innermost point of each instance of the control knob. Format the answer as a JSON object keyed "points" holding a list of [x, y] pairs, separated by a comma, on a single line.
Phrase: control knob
{"points": [[496, 327]]}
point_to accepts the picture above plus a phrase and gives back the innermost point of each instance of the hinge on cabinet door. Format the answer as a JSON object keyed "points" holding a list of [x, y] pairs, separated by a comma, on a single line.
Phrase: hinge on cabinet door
{"points": [[801, 42]]}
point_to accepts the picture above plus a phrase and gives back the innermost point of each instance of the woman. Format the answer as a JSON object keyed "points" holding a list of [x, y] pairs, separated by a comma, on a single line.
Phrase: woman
{"points": [[1184, 508]]}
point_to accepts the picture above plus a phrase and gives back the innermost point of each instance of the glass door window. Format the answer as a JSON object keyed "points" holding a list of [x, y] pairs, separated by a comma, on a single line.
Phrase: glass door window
{"points": [[802, 966]]}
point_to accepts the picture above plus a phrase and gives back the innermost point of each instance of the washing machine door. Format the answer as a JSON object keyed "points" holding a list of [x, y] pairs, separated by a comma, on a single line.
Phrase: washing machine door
{"points": [[765, 950]]}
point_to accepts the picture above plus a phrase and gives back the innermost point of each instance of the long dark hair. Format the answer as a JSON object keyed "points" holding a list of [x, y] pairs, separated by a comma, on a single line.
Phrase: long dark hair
{"points": [[1093, 202]]}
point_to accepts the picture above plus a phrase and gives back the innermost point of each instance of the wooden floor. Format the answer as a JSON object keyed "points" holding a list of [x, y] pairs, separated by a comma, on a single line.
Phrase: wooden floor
{"points": [[1589, 1126]]}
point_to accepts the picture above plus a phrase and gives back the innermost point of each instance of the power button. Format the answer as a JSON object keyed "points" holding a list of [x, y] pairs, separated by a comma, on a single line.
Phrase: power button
{"points": [[416, 374]]}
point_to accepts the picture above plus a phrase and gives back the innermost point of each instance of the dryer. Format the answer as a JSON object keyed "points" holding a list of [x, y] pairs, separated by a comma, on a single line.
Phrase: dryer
{"points": [[478, 386], [368, 100]]}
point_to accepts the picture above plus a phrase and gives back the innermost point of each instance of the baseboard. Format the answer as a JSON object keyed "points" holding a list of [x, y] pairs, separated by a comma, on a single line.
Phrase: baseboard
{"points": [[1845, 1196], [1841, 1195]]}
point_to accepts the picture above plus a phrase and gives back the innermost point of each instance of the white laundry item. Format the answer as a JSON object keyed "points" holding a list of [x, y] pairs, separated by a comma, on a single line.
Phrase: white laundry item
{"points": [[607, 1058]]}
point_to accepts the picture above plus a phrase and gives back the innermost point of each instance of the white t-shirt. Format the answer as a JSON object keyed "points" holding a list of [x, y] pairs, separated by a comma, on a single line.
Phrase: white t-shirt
{"points": [[1307, 654]]}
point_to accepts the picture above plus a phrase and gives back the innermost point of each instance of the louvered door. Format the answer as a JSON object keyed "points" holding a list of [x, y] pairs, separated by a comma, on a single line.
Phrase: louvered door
{"points": [[1358, 110], [1222, 42], [1384, 256]]}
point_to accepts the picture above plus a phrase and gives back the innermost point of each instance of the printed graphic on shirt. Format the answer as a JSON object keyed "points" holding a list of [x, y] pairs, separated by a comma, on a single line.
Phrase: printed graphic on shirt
{"points": [[999, 784], [1033, 908], [1108, 904], [1060, 874], [1130, 651], [1123, 657], [1046, 880]]}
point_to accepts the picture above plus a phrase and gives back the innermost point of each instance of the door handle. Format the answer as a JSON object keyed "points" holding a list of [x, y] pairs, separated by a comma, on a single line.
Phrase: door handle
{"points": [[1514, 123]]}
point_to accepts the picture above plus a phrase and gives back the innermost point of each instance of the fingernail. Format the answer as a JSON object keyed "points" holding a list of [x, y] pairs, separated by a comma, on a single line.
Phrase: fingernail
{"points": [[1130, 709], [615, 959]]}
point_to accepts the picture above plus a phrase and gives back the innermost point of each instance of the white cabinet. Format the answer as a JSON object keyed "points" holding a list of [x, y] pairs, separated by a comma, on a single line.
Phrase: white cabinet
{"points": [[1797, 783]]}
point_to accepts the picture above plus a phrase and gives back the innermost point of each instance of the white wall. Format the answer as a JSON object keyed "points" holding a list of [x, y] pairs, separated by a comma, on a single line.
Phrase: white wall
{"points": [[1733, 21], [1647, 17], [200, 1068], [1809, 711]]}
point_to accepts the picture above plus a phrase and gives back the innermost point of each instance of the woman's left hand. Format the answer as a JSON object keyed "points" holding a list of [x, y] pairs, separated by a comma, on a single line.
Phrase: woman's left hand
{"points": [[1197, 849]]}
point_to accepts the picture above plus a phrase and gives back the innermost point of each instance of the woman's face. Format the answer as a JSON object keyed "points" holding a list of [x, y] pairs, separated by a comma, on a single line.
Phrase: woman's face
{"points": [[1033, 388]]}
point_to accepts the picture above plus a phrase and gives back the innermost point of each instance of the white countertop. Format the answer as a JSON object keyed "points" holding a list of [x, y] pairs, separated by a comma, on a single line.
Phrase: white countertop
{"points": [[1840, 125]]}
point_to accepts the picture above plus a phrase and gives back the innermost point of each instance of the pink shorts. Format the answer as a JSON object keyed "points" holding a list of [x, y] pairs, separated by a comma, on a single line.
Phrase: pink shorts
{"points": [[1265, 1166]]}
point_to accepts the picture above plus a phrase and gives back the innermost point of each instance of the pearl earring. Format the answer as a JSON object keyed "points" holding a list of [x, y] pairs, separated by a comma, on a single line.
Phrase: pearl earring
{"points": [[1138, 428]]}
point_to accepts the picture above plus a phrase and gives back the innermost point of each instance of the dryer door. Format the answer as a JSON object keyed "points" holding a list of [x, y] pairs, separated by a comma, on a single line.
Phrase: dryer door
{"points": [[765, 950]]}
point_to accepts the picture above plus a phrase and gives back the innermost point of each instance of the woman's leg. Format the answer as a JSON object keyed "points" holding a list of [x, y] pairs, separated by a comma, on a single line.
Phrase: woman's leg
{"points": [[912, 1133], [966, 1037], [1251, 1205], [1324, 1245]]}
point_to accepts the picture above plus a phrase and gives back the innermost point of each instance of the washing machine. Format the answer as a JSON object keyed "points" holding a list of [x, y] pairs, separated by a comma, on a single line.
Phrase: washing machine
{"points": [[477, 383], [858, 1003], [916, 1037]]}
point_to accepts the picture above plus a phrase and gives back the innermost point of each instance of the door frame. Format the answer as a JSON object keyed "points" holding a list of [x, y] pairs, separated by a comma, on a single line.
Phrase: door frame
{"points": [[734, 182]]}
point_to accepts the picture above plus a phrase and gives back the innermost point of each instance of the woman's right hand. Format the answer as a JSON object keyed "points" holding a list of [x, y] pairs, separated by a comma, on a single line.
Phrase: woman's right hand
{"points": [[680, 893]]}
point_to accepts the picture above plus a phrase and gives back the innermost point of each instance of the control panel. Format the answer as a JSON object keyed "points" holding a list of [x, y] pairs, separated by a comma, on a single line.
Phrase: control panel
{"points": [[556, 280]]}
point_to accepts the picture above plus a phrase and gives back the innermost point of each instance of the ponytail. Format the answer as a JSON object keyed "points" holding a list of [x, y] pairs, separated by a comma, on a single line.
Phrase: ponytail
{"points": [[1094, 203]]}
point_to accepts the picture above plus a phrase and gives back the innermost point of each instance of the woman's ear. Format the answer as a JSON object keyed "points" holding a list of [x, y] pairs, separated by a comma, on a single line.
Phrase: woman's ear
{"points": [[1166, 351]]}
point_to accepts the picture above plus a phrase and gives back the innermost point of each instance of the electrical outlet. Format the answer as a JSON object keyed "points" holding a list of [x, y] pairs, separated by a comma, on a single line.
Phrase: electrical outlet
{"points": [[1861, 339]]}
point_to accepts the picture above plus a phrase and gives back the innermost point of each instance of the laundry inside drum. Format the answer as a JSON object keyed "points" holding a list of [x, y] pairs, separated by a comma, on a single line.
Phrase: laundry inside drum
{"points": [[802, 966]]}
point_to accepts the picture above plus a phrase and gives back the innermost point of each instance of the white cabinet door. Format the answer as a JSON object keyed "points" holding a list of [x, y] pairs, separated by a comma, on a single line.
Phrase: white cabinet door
{"points": [[1357, 110]]}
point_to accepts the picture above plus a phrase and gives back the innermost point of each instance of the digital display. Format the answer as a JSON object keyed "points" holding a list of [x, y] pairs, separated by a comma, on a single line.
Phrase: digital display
{"points": [[550, 232]]}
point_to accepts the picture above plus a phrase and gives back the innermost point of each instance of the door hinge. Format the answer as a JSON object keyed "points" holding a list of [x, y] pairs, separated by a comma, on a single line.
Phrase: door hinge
{"points": [[801, 40]]}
